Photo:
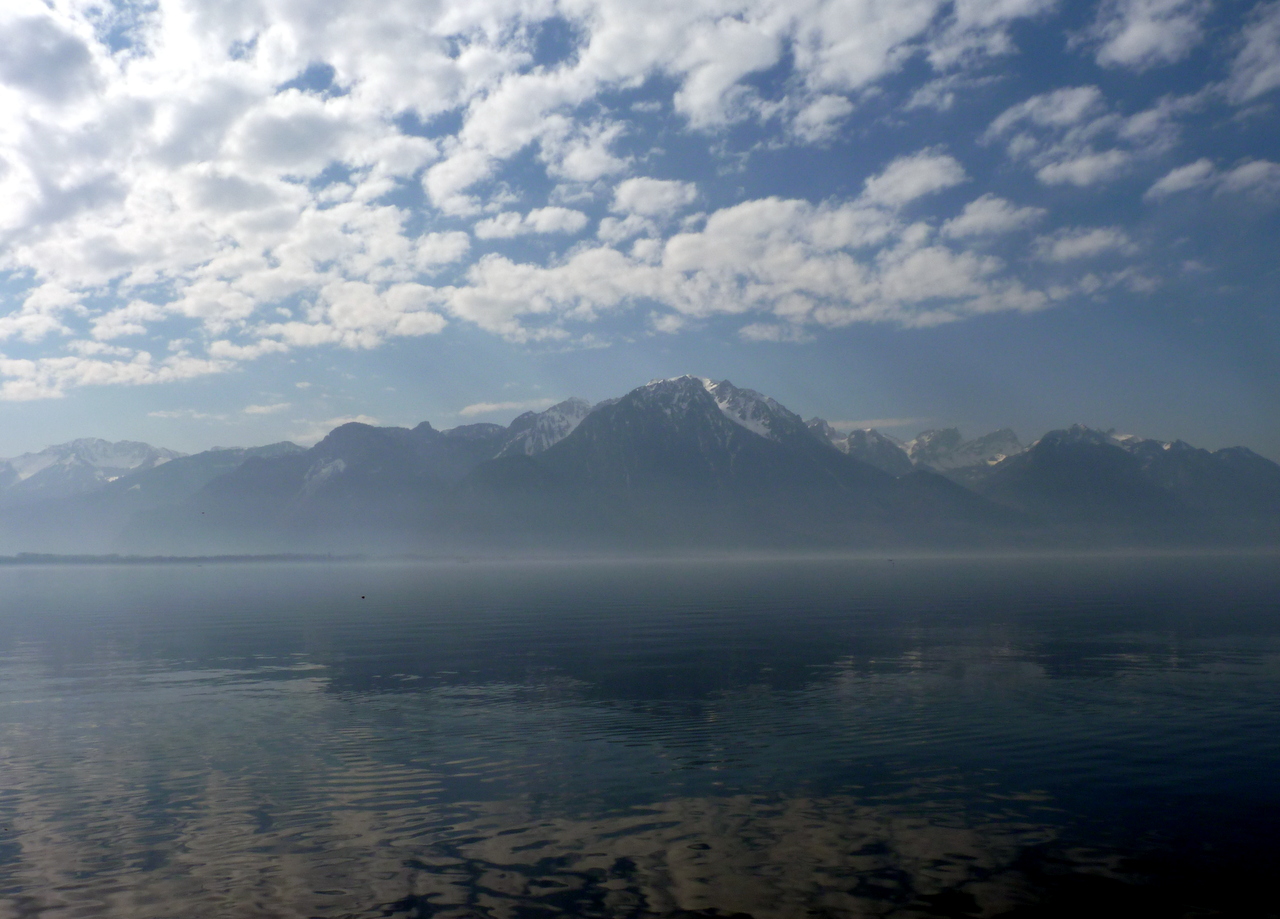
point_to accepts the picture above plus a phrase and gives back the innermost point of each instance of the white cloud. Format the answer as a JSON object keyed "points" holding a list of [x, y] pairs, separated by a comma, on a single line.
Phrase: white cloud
{"points": [[445, 181], [978, 29], [50, 377], [772, 331], [48, 53], [668, 323], [1257, 176], [1074, 137], [1260, 178], [490, 408], [820, 118], [910, 177], [990, 215], [1140, 34], [615, 231], [1082, 243], [541, 220], [647, 197], [940, 94], [180, 185], [271, 409], [434, 249], [1256, 68], [785, 263], [1061, 108], [1086, 169], [582, 153], [188, 413], [1183, 178]]}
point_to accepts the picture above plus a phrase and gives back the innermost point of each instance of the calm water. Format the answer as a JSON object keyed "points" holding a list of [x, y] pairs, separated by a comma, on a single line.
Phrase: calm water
{"points": [[829, 738]]}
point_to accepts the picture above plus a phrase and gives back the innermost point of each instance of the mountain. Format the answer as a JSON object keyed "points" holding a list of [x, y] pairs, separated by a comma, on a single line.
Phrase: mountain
{"points": [[74, 468], [533, 432], [680, 464], [1079, 475], [362, 485], [1232, 481], [946, 451], [689, 462], [97, 521], [867, 445], [687, 433], [755, 412], [1132, 487]]}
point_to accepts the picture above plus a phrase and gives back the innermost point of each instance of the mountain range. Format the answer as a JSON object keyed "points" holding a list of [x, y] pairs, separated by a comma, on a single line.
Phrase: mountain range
{"points": [[678, 464]]}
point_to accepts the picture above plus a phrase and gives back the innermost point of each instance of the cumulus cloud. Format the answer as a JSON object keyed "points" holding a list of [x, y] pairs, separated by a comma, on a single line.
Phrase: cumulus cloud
{"points": [[790, 264], [1257, 176], [647, 197], [1183, 178], [911, 177], [1073, 136], [247, 179], [820, 118], [990, 215], [539, 220], [1085, 169], [1140, 34], [1260, 178], [50, 377], [979, 29], [1077, 243]]}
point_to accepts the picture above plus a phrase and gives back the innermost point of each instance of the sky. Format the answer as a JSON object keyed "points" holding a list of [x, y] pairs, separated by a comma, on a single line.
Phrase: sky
{"points": [[244, 221]]}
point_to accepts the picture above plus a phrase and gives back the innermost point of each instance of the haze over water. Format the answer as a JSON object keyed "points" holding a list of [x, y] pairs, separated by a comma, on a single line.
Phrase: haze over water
{"points": [[866, 737]]}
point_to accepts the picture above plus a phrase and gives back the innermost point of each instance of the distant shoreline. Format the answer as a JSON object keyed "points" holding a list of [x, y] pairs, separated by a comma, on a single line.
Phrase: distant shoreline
{"points": [[52, 559], [48, 558]]}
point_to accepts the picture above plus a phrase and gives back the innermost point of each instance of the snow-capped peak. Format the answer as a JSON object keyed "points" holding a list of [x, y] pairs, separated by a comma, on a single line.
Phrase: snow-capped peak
{"points": [[534, 432], [93, 453], [755, 412], [945, 449]]}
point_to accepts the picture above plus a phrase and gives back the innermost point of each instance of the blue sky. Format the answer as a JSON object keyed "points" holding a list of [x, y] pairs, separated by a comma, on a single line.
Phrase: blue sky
{"points": [[245, 221]]}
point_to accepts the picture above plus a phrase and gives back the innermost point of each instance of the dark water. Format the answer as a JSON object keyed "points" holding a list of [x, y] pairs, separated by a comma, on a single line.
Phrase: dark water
{"points": [[1061, 737]]}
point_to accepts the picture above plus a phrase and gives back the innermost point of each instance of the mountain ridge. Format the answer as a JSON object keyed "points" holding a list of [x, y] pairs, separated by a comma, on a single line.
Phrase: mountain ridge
{"points": [[677, 462]]}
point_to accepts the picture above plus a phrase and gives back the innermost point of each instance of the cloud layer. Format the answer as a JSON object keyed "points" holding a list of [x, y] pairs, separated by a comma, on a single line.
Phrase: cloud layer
{"points": [[186, 186]]}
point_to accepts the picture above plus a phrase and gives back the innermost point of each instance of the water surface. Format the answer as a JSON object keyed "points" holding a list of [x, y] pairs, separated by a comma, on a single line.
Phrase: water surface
{"points": [[869, 737]]}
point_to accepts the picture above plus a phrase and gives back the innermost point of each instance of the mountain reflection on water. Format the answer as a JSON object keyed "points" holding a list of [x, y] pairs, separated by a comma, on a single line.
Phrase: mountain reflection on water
{"points": [[921, 737]]}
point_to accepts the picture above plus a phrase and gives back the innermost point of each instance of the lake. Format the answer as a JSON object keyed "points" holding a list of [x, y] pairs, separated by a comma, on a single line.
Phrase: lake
{"points": [[778, 738]]}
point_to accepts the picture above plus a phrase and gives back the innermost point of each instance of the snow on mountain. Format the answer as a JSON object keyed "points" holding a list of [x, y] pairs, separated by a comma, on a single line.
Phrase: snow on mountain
{"points": [[945, 450], [533, 432], [112, 458], [76, 467], [755, 412], [824, 431], [674, 395], [877, 449], [1130, 443], [866, 444]]}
